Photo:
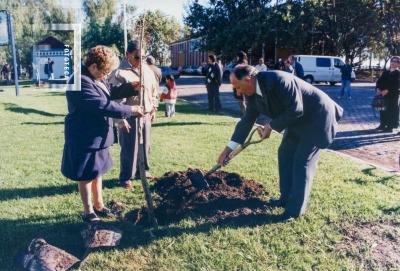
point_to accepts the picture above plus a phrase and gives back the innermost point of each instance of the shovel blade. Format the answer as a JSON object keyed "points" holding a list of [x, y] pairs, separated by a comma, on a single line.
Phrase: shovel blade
{"points": [[198, 180]]}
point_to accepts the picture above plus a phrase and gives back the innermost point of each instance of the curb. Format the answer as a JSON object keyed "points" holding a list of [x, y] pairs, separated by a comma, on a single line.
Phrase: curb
{"points": [[388, 170]]}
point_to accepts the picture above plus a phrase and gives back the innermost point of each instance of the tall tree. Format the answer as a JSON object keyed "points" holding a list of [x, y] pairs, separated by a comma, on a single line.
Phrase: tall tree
{"points": [[389, 18], [338, 27], [103, 24], [161, 30]]}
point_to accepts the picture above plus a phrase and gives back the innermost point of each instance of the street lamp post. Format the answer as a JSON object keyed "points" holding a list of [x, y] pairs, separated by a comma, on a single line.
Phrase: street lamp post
{"points": [[125, 30], [10, 29]]}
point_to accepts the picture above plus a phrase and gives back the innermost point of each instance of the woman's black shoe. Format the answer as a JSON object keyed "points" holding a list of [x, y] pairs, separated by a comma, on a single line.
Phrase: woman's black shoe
{"points": [[90, 218], [105, 212]]}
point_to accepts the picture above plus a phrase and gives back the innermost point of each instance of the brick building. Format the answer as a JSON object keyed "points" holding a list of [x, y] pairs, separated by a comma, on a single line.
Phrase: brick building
{"points": [[187, 52]]}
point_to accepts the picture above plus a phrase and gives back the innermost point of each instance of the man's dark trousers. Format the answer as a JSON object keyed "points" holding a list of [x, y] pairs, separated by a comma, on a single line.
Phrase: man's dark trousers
{"points": [[297, 166], [214, 102], [390, 116]]}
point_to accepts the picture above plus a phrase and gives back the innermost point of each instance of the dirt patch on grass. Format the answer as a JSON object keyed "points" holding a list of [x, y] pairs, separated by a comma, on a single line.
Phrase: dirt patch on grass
{"points": [[374, 246], [228, 195]]}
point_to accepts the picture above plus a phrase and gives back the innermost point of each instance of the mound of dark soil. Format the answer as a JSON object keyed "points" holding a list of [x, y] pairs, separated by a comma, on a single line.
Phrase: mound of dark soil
{"points": [[375, 246], [228, 195]]}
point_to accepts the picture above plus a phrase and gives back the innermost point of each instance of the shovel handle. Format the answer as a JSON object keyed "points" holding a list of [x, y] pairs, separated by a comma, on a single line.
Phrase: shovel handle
{"points": [[235, 152], [214, 168]]}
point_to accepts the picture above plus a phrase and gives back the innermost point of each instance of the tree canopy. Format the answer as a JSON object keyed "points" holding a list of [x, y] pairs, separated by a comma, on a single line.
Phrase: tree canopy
{"points": [[339, 27]]}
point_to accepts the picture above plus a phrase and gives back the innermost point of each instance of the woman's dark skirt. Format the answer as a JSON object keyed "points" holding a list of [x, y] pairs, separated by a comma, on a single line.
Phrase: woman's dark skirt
{"points": [[85, 165]]}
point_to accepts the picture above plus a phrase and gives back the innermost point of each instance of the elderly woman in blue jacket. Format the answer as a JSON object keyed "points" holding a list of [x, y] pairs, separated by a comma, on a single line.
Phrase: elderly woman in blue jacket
{"points": [[88, 128]]}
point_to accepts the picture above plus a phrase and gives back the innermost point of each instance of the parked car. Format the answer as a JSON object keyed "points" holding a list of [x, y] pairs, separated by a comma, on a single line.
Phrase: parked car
{"points": [[187, 70], [228, 68], [168, 71], [322, 68], [200, 70]]}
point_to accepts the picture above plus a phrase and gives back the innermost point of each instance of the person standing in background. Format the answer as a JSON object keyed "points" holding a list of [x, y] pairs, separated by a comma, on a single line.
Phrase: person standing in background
{"points": [[388, 86], [213, 82], [287, 67], [50, 70], [128, 71], [169, 96], [346, 70], [241, 58], [261, 67], [298, 68], [151, 61]]}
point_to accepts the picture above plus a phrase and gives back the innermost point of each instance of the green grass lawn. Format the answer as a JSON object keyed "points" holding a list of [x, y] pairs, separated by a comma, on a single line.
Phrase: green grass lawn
{"points": [[37, 201]]}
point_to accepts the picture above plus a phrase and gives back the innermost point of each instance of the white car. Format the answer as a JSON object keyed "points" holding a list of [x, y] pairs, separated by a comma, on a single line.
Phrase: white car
{"points": [[322, 68]]}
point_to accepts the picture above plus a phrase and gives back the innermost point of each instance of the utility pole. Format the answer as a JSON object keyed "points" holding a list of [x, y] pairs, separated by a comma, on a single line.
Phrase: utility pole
{"points": [[263, 51], [276, 46], [125, 30], [10, 34]]}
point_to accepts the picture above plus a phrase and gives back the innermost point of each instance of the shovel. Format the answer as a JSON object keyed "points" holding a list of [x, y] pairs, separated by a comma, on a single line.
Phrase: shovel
{"points": [[199, 180]]}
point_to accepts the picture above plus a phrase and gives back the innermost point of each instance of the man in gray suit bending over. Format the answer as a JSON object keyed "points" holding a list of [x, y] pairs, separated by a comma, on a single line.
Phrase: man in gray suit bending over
{"points": [[306, 114]]}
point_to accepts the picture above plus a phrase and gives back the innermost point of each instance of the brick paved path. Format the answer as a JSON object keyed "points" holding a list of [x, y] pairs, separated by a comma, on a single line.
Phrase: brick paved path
{"points": [[356, 136]]}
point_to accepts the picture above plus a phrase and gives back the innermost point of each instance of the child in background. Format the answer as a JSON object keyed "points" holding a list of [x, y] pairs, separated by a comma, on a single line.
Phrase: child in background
{"points": [[169, 96]]}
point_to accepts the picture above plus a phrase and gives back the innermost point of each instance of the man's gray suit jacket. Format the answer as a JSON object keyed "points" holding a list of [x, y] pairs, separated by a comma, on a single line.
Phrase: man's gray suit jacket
{"points": [[292, 104]]}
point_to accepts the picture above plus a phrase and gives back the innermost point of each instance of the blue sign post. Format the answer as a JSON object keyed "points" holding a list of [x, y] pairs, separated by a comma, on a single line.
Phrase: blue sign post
{"points": [[4, 39]]}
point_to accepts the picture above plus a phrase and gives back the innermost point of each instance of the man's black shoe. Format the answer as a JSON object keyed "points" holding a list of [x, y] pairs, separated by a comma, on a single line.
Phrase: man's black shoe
{"points": [[287, 216], [388, 130], [276, 203]]}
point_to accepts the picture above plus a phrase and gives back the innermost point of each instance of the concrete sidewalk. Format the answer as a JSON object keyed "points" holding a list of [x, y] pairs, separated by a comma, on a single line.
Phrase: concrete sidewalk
{"points": [[356, 136]]}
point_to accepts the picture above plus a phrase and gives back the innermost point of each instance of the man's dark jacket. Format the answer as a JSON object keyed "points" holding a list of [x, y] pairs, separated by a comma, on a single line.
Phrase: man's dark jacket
{"points": [[213, 74], [346, 70], [292, 104], [298, 70]]}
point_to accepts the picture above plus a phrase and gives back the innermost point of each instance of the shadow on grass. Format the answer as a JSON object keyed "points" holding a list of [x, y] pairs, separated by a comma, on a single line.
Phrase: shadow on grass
{"points": [[20, 82], [359, 181], [43, 123], [162, 124], [345, 142], [51, 94], [369, 171], [57, 231], [391, 210], [138, 239], [22, 110], [182, 107], [47, 191], [63, 233], [383, 180]]}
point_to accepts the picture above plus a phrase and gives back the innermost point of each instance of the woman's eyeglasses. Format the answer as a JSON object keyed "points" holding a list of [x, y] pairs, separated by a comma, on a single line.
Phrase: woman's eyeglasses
{"points": [[136, 57]]}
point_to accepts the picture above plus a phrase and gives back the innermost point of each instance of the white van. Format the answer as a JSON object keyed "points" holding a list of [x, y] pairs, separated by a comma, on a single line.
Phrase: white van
{"points": [[322, 68]]}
